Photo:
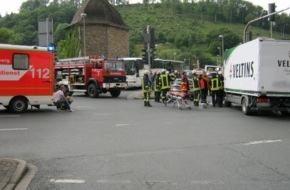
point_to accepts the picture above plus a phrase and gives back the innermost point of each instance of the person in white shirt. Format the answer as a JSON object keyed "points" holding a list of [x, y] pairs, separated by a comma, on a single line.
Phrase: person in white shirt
{"points": [[60, 100]]}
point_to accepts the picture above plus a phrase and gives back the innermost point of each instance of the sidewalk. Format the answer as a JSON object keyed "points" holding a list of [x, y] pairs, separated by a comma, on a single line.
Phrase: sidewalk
{"points": [[15, 174]]}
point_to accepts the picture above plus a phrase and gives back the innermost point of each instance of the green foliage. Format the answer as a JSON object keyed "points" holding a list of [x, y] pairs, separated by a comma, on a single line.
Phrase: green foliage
{"points": [[184, 30], [5, 35], [70, 46]]}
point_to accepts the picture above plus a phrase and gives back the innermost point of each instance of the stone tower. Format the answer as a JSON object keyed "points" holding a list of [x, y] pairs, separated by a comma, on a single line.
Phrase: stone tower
{"points": [[102, 30]]}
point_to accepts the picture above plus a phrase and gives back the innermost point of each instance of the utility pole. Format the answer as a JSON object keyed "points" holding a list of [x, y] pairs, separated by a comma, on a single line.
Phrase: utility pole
{"points": [[148, 46]]}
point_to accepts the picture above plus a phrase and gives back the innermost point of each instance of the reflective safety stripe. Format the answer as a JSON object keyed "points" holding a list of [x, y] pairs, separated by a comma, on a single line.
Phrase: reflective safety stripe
{"points": [[183, 86], [145, 87], [195, 84], [214, 84], [157, 84], [164, 81]]}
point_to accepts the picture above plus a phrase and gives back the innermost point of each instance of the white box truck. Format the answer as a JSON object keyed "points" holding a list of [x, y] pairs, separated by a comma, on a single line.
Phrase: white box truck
{"points": [[257, 76]]}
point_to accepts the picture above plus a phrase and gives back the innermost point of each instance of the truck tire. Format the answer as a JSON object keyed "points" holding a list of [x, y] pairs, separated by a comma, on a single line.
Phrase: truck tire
{"points": [[245, 107], [115, 93], [228, 104], [93, 91], [18, 105]]}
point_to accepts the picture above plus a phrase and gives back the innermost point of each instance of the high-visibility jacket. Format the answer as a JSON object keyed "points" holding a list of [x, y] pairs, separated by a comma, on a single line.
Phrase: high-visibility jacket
{"points": [[145, 84], [214, 84], [164, 81], [204, 83], [221, 82], [195, 84], [157, 83], [184, 85]]}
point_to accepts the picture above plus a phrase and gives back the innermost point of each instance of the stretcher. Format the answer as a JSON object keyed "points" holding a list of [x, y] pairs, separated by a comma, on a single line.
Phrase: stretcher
{"points": [[179, 99]]}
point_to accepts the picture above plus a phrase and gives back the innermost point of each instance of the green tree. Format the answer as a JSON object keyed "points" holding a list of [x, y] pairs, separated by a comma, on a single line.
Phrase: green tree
{"points": [[70, 46], [5, 35]]}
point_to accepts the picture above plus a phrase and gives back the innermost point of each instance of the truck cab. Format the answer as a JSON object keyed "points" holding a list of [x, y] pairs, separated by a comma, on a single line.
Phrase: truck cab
{"points": [[93, 75]]}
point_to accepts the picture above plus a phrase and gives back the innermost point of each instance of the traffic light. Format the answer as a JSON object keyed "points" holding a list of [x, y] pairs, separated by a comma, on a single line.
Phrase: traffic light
{"points": [[152, 38], [271, 9], [153, 53], [144, 56]]}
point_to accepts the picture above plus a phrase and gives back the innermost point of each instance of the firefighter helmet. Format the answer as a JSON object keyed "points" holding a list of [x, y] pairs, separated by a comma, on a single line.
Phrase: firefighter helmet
{"points": [[146, 72]]}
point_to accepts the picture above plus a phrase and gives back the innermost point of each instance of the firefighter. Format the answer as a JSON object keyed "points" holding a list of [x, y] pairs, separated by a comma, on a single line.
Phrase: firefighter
{"points": [[165, 86], [157, 86], [195, 88], [214, 88], [184, 83], [146, 88], [172, 77], [204, 86], [220, 94]]}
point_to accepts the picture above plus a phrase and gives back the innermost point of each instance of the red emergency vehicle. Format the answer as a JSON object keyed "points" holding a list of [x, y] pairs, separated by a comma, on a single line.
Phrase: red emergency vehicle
{"points": [[92, 75], [26, 76]]}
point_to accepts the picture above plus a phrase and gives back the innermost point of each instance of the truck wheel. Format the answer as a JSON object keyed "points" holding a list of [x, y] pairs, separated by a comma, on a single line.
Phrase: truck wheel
{"points": [[245, 107], [228, 104], [285, 113], [115, 93], [93, 91], [18, 105]]}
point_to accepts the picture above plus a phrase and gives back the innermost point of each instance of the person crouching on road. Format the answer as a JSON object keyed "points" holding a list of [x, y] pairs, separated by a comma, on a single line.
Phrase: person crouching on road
{"points": [[146, 88], [60, 100]]}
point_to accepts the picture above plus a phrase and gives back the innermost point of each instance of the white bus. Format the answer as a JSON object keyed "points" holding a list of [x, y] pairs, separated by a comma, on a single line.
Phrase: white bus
{"points": [[169, 65], [135, 67]]}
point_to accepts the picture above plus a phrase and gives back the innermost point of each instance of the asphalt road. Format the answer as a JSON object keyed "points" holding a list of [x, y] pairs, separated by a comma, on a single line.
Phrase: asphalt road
{"points": [[117, 143]]}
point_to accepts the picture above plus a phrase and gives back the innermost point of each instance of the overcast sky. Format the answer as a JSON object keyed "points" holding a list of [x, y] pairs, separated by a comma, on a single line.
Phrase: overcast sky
{"points": [[14, 5]]}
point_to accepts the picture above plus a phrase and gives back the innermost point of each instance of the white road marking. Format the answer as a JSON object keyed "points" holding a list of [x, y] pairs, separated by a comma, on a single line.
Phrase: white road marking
{"points": [[14, 129], [113, 181], [207, 182], [67, 181], [121, 124], [102, 114], [262, 142], [161, 182], [9, 116]]}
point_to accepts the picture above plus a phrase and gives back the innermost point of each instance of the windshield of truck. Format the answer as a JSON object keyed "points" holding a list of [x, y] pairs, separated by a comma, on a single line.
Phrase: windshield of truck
{"points": [[114, 65]]}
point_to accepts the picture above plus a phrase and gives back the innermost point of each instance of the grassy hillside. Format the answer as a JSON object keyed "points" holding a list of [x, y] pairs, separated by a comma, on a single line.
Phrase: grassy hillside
{"points": [[184, 36]]}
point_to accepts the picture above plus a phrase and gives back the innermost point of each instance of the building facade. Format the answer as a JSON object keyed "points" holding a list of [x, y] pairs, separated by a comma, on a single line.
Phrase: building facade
{"points": [[101, 30]]}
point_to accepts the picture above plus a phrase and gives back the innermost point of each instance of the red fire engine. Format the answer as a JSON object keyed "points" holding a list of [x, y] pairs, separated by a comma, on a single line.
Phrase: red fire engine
{"points": [[92, 75], [26, 76]]}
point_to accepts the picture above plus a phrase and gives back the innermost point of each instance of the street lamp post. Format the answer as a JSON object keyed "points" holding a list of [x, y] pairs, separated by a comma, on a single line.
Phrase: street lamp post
{"points": [[223, 50], [83, 15], [220, 57]]}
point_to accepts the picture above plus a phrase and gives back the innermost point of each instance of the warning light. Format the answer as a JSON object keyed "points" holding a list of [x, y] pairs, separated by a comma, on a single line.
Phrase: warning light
{"points": [[51, 47]]}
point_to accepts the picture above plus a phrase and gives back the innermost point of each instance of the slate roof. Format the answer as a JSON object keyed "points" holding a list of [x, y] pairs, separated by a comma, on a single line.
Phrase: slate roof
{"points": [[99, 12]]}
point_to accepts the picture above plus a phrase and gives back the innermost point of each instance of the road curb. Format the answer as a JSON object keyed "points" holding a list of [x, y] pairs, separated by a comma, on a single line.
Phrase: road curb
{"points": [[26, 179], [17, 175]]}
